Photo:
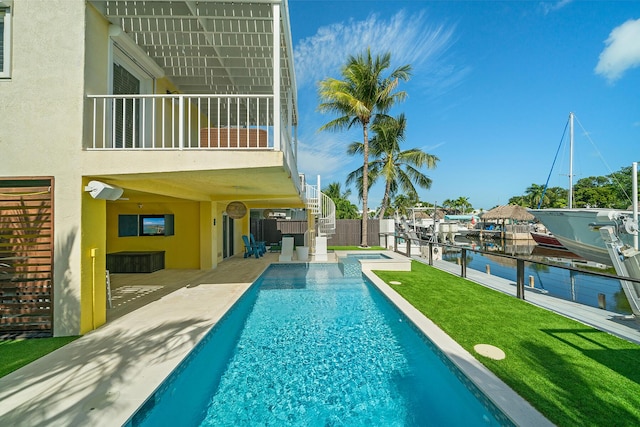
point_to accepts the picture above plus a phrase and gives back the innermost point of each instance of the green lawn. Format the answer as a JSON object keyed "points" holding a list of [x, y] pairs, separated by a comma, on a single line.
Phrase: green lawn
{"points": [[14, 354], [572, 373]]}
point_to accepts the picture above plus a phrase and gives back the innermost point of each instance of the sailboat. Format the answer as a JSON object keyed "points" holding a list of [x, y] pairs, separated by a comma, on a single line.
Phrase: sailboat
{"points": [[577, 228]]}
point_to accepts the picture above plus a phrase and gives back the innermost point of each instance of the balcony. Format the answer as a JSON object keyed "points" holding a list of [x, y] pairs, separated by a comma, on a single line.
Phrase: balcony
{"points": [[209, 92], [190, 122]]}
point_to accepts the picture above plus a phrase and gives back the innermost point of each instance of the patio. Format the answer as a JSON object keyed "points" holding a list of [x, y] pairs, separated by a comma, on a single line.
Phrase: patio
{"points": [[129, 292]]}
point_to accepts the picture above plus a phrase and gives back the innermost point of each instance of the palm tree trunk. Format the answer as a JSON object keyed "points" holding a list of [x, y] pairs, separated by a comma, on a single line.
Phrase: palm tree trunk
{"points": [[385, 200], [365, 185]]}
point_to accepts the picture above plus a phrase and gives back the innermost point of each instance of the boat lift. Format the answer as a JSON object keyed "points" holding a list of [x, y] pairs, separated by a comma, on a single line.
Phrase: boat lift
{"points": [[625, 259]]}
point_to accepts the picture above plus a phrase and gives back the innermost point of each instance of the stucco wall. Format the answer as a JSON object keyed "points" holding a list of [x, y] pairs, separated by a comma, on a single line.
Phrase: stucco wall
{"points": [[182, 250], [40, 123]]}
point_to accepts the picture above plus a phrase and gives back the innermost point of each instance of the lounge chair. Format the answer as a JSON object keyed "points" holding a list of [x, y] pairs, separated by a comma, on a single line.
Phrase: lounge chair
{"points": [[250, 249], [287, 249], [262, 246]]}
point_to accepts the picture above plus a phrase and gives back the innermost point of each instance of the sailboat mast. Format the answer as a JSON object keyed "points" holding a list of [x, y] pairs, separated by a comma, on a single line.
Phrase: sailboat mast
{"points": [[634, 194], [570, 160]]}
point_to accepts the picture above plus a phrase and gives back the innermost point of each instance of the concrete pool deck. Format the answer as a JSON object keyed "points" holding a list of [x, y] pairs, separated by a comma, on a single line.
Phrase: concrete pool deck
{"points": [[103, 377]]}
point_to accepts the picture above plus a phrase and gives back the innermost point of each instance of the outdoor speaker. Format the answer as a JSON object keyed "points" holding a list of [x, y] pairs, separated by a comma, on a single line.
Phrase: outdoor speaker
{"points": [[102, 191]]}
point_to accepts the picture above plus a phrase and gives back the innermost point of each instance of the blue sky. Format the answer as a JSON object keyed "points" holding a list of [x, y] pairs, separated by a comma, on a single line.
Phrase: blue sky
{"points": [[492, 86]]}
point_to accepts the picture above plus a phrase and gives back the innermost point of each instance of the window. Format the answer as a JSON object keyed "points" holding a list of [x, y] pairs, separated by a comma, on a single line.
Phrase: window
{"points": [[129, 75], [126, 111], [5, 39]]}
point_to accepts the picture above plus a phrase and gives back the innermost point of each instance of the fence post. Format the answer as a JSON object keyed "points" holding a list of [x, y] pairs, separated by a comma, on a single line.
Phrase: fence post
{"points": [[409, 248], [520, 278], [395, 242], [430, 253], [463, 263]]}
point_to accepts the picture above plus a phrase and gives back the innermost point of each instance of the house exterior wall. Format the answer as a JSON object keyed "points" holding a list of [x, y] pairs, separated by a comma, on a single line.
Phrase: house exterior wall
{"points": [[61, 52], [92, 231], [182, 250], [210, 234], [40, 121]]}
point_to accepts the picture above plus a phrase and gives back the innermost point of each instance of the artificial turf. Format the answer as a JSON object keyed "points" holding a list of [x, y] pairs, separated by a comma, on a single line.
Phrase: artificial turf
{"points": [[15, 354], [355, 248], [572, 373]]}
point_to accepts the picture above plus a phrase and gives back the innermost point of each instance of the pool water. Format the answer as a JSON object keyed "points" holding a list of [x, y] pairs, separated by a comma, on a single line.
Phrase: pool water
{"points": [[369, 256], [306, 347]]}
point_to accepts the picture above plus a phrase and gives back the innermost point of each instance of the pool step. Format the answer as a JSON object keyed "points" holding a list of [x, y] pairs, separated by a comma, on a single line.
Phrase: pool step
{"points": [[350, 267]]}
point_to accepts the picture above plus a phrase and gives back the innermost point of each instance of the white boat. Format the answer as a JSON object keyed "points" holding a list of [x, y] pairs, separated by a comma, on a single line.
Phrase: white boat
{"points": [[577, 230]]}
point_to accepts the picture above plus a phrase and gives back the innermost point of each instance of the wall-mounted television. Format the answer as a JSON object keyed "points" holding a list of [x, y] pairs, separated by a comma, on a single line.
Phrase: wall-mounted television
{"points": [[152, 225], [145, 225]]}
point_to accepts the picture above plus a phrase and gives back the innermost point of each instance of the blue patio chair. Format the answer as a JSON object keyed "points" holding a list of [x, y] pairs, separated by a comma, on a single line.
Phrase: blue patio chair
{"points": [[250, 249], [262, 246]]}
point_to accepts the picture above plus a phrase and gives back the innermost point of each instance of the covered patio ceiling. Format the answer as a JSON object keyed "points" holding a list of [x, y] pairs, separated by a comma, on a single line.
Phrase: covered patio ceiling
{"points": [[210, 46], [273, 189]]}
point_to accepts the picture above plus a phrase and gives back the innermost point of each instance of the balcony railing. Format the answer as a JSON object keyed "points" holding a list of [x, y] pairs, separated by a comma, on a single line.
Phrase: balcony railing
{"points": [[175, 121], [190, 122]]}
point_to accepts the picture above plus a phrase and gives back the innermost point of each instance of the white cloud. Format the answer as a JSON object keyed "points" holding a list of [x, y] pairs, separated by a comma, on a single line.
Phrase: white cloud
{"points": [[323, 154], [549, 7], [622, 51], [410, 38], [432, 148]]}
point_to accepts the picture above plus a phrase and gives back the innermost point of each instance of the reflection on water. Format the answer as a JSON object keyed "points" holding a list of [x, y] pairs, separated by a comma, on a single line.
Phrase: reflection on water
{"points": [[507, 247], [559, 282]]}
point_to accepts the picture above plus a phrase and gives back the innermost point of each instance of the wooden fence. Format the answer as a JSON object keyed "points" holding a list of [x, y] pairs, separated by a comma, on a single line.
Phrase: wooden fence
{"points": [[26, 257], [348, 231]]}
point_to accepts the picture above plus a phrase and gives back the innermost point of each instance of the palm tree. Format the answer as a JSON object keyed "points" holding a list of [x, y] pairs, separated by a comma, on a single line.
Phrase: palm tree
{"points": [[400, 169], [463, 203], [334, 191], [357, 99], [402, 204], [536, 195], [448, 204], [344, 208]]}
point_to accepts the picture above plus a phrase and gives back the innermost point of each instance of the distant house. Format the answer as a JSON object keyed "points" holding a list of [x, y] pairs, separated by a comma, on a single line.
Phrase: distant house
{"points": [[131, 126]]}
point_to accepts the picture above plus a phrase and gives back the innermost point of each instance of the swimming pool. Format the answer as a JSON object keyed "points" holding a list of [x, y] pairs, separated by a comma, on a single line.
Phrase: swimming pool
{"points": [[306, 346], [369, 256]]}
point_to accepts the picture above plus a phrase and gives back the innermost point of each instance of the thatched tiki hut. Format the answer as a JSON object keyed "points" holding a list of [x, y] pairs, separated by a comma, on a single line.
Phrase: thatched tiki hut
{"points": [[509, 212]]}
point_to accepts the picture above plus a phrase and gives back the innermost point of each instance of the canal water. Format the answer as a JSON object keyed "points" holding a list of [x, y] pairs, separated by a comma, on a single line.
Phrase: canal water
{"points": [[559, 282]]}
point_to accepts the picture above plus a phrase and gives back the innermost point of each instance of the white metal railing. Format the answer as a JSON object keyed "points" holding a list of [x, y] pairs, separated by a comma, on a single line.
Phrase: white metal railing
{"points": [[182, 122], [312, 199], [327, 218], [321, 205]]}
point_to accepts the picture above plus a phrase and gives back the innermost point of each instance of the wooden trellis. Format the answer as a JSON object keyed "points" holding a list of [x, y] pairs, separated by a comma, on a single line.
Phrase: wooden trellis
{"points": [[26, 257]]}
